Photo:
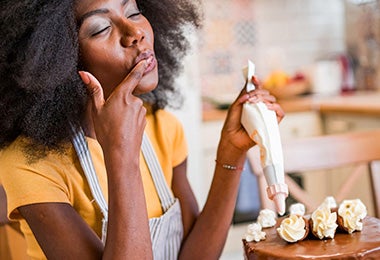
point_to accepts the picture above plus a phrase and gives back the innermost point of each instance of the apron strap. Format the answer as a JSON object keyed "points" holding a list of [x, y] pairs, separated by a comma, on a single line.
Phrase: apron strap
{"points": [[84, 155], [85, 159], [165, 194], [81, 147]]}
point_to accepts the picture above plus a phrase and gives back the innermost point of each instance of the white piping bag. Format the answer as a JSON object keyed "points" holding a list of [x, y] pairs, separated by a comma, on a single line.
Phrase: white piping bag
{"points": [[262, 126]]}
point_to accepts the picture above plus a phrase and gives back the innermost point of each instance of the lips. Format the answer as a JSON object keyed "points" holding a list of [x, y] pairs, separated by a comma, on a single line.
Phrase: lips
{"points": [[150, 59]]}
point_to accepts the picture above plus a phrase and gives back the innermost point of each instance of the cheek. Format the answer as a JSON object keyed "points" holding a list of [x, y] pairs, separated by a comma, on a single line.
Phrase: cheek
{"points": [[97, 55], [106, 64]]}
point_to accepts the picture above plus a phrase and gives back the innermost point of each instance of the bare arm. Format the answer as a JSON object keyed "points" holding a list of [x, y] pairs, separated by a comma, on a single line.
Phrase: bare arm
{"points": [[209, 232], [58, 225], [182, 191]]}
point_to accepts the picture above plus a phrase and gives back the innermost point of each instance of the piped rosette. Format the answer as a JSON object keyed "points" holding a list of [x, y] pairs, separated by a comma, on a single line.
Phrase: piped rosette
{"points": [[254, 233], [350, 215], [293, 228], [267, 218], [298, 209], [331, 203], [323, 222]]}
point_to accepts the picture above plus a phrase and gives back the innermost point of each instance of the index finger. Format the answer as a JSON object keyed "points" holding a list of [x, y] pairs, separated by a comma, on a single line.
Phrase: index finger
{"points": [[131, 81]]}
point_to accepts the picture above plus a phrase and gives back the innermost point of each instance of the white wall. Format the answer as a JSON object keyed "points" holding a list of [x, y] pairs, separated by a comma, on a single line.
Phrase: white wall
{"points": [[292, 34]]}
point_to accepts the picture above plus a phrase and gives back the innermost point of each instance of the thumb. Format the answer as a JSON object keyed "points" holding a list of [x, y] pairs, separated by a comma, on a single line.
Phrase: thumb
{"points": [[94, 89], [256, 82]]}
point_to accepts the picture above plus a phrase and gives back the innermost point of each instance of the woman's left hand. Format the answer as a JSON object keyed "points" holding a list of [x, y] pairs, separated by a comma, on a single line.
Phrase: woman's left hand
{"points": [[233, 131]]}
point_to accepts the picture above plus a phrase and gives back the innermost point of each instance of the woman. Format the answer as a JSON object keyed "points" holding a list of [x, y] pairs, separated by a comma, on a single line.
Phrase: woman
{"points": [[110, 164]]}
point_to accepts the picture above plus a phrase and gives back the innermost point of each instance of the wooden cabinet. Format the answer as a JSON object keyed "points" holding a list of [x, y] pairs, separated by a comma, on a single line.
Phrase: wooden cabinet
{"points": [[343, 122], [301, 124]]}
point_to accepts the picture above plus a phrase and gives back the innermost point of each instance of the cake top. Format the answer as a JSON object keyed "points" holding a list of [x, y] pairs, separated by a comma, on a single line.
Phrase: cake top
{"points": [[331, 231], [357, 245]]}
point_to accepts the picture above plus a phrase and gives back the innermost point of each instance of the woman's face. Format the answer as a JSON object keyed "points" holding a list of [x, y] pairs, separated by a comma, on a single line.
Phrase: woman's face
{"points": [[113, 37]]}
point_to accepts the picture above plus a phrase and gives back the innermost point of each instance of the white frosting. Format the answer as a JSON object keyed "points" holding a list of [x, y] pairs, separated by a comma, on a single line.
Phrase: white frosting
{"points": [[267, 218], [352, 212], [324, 222], [297, 209], [330, 202], [292, 228], [254, 233]]}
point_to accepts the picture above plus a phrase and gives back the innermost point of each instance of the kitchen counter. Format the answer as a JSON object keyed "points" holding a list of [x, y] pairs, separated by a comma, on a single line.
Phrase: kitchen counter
{"points": [[361, 103]]}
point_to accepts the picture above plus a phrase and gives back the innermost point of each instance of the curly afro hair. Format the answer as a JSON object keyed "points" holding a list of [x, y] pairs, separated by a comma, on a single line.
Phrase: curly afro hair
{"points": [[41, 92]]}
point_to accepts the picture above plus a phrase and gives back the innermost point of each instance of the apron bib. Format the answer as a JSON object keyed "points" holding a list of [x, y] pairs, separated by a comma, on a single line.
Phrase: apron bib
{"points": [[166, 231]]}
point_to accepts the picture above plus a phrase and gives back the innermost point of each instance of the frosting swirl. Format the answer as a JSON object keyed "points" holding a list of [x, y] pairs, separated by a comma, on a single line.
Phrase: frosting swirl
{"points": [[330, 202], [267, 218], [324, 222], [254, 233], [292, 228], [297, 209], [352, 212]]}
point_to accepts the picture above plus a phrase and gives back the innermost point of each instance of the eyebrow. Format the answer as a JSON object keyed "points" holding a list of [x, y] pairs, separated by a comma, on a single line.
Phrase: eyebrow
{"points": [[91, 13], [98, 11]]}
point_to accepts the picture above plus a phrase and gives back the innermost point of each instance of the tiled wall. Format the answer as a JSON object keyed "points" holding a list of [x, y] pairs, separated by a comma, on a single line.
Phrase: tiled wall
{"points": [[228, 39], [275, 34]]}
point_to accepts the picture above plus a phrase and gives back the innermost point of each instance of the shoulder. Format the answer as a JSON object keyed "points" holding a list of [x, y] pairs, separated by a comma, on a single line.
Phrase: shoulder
{"points": [[19, 153], [18, 165], [165, 121], [167, 135], [29, 180], [163, 114]]}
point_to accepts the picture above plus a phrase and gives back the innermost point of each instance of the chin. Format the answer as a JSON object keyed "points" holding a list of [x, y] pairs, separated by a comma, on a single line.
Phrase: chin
{"points": [[147, 84], [144, 88]]}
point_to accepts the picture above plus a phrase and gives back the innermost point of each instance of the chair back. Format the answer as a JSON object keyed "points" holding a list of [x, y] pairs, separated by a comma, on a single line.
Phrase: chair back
{"points": [[356, 154]]}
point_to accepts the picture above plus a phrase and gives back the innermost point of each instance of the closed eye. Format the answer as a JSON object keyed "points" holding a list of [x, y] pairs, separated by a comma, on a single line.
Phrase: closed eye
{"points": [[134, 14], [100, 31]]}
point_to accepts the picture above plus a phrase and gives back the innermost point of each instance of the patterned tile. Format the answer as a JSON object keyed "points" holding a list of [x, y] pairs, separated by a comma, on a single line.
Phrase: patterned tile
{"points": [[221, 63], [244, 32]]}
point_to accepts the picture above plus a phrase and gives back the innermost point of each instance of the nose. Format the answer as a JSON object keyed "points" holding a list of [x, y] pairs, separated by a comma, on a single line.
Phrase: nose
{"points": [[132, 34]]}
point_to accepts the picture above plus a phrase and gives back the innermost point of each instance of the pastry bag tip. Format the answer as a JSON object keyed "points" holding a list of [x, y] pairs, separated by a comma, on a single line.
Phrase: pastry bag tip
{"points": [[279, 202], [278, 192]]}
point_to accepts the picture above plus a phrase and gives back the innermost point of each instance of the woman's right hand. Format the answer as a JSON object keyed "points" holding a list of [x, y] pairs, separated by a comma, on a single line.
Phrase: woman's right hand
{"points": [[120, 120]]}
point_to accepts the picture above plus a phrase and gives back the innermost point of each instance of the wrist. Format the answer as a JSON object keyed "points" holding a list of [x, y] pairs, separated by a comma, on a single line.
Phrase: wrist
{"points": [[229, 154], [229, 167]]}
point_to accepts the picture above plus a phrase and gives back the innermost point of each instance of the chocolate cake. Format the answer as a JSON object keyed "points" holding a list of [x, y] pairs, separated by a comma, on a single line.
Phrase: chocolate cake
{"points": [[358, 245]]}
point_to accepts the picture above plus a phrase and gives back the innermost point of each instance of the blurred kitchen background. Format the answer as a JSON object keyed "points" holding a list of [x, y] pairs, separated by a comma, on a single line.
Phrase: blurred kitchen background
{"points": [[310, 53]]}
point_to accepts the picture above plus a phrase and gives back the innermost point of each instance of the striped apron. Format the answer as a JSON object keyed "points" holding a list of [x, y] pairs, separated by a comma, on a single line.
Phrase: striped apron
{"points": [[166, 231]]}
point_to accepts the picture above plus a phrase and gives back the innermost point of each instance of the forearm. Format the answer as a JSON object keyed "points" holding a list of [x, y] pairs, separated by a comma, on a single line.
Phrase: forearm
{"points": [[128, 227], [209, 233]]}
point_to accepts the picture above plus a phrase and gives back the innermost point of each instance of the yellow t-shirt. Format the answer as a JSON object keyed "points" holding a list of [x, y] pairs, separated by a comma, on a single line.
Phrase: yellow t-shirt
{"points": [[58, 177]]}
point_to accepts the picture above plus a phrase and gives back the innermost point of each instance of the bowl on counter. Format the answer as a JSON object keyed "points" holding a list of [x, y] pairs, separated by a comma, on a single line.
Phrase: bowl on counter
{"points": [[291, 89], [221, 102]]}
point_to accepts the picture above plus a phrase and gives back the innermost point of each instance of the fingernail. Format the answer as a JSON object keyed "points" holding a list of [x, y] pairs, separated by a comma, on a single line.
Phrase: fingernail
{"points": [[84, 76], [269, 105], [253, 99], [147, 61]]}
